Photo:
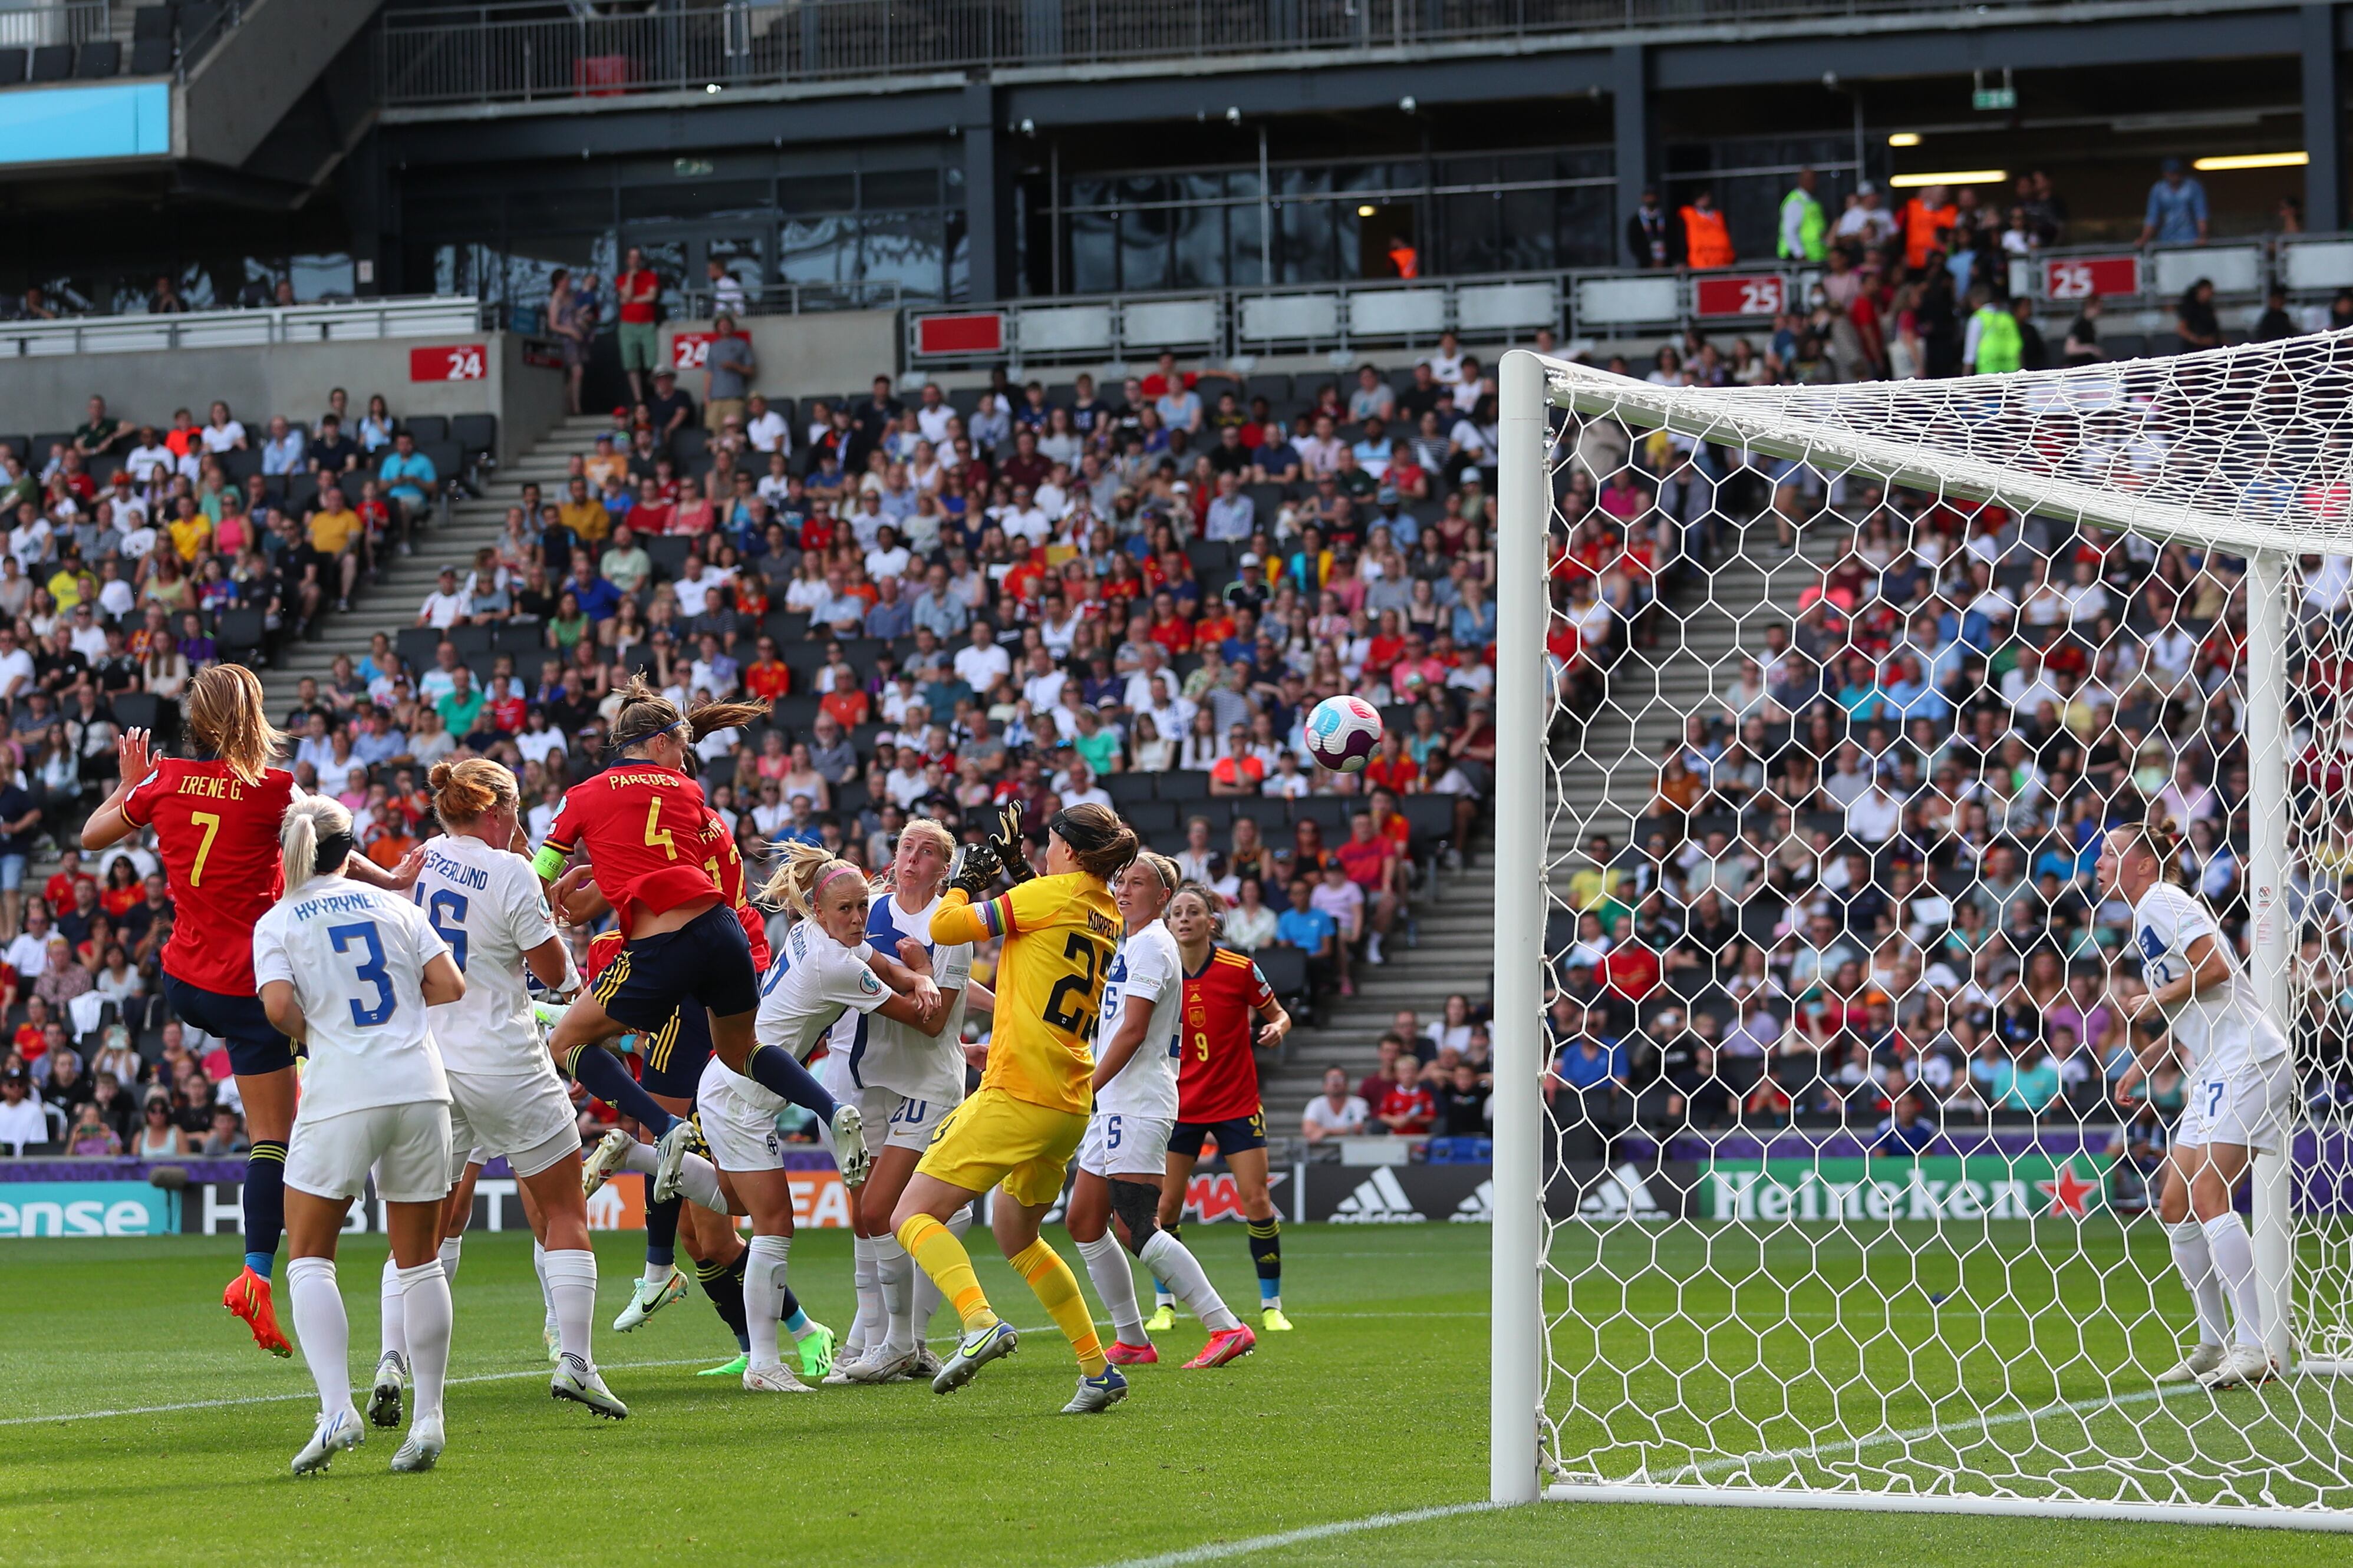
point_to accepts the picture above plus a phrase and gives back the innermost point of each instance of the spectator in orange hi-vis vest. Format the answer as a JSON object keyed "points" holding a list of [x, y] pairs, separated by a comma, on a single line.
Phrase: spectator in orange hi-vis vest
{"points": [[1706, 242], [1404, 258], [1927, 219]]}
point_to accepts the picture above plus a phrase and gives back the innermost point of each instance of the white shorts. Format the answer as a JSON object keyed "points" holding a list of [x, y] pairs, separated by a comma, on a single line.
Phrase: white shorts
{"points": [[1120, 1144], [742, 1137], [528, 1118], [892, 1120], [409, 1146], [2250, 1106]]}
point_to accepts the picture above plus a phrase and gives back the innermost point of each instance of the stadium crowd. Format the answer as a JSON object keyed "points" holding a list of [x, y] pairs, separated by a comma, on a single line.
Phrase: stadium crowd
{"points": [[1862, 890], [1132, 596]]}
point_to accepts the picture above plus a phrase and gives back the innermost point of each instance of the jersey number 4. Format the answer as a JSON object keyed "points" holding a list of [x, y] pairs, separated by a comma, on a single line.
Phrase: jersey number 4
{"points": [[1068, 1002]]}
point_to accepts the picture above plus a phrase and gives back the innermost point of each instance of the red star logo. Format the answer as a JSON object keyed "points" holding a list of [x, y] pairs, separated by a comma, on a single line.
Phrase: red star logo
{"points": [[2067, 1191]]}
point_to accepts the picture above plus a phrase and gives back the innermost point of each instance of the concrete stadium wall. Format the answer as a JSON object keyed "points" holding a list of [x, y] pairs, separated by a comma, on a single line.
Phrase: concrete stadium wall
{"points": [[48, 394], [837, 352]]}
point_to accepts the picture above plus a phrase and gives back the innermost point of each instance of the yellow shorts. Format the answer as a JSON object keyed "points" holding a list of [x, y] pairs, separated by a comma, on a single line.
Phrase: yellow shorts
{"points": [[994, 1138]]}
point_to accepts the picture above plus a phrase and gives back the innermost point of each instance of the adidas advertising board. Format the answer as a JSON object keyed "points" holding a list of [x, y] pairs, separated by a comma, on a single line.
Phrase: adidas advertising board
{"points": [[1465, 1194]]}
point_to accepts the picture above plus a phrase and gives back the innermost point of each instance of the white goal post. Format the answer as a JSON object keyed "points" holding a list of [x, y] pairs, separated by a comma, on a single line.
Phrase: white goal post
{"points": [[1812, 1351]]}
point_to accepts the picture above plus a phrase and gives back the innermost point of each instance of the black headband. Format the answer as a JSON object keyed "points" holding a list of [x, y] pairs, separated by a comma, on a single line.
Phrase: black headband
{"points": [[333, 849], [1079, 834]]}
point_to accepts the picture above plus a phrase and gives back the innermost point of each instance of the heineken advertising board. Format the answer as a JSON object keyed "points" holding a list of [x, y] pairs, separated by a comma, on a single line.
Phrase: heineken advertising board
{"points": [[1883, 1191]]}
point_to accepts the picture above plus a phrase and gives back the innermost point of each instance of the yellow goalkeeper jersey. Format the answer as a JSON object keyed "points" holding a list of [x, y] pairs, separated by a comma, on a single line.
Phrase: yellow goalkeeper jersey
{"points": [[1060, 934]]}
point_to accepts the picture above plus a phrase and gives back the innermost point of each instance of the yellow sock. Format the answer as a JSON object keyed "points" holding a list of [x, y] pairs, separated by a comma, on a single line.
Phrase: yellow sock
{"points": [[934, 1246], [1058, 1292]]}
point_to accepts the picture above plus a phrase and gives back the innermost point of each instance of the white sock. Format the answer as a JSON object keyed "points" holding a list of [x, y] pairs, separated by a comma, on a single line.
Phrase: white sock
{"points": [[572, 1286], [1115, 1283], [895, 1278], [538, 1267], [927, 1295], [1171, 1260], [2196, 1265], [642, 1159], [866, 1327], [448, 1255], [322, 1330], [396, 1316], [2234, 1260], [698, 1183], [764, 1294], [427, 1292]]}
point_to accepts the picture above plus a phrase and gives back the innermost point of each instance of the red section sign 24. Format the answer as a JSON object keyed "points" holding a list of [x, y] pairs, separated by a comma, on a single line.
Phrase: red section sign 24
{"points": [[448, 361]]}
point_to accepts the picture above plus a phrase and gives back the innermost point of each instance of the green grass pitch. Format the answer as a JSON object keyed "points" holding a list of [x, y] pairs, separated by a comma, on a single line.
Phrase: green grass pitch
{"points": [[1375, 1405]]}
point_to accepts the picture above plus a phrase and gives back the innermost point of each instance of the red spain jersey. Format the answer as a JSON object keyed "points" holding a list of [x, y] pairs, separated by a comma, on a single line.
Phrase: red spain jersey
{"points": [[602, 948], [642, 828], [1217, 1078], [218, 838], [725, 864]]}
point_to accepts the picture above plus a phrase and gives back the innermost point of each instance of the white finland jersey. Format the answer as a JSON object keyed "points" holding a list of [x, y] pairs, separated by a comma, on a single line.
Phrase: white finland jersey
{"points": [[2221, 1028], [812, 981], [488, 906], [1147, 965], [899, 1056], [355, 956]]}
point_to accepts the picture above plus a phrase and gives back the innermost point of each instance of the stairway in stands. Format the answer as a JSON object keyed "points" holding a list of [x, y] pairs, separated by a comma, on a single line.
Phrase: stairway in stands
{"points": [[392, 604]]}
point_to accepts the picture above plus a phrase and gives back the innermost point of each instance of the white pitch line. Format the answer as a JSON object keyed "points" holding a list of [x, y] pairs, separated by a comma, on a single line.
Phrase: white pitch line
{"points": [[1217, 1551], [311, 1395]]}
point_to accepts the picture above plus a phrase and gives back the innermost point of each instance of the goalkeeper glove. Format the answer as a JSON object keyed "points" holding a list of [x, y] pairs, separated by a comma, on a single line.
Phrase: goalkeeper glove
{"points": [[1007, 844], [976, 871]]}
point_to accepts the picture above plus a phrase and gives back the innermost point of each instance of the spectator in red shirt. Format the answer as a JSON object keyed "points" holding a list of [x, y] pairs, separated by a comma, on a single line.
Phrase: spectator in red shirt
{"points": [[848, 702], [1377, 1082], [1169, 630], [1238, 772], [768, 676], [1371, 862], [1407, 1109], [1630, 971], [57, 892], [1393, 767], [639, 288]]}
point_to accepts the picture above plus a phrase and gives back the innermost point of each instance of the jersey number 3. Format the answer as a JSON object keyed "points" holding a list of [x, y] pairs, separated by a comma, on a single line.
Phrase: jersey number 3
{"points": [[1068, 1003], [371, 970]]}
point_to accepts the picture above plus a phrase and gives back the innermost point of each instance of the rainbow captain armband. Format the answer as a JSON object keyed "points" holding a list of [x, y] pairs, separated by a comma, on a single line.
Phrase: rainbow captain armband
{"points": [[548, 862]]}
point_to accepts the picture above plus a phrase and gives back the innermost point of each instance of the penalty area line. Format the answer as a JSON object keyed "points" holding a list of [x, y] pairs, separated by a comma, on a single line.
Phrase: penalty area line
{"points": [[310, 1395], [1217, 1551]]}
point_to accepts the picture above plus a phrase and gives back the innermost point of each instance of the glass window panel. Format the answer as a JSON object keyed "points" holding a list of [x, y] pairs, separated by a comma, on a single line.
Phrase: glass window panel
{"points": [[1468, 225], [905, 248], [1141, 188], [817, 194], [741, 256], [1465, 170], [1242, 184], [1200, 247], [322, 277], [1144, 248], [899, 188], [1303, 242], [1093, 261], [1585, 233], [817, 250], [959, 255], [1092, 194], [1527, 231], [1246, 262], [1583, 163], [693, 198]]}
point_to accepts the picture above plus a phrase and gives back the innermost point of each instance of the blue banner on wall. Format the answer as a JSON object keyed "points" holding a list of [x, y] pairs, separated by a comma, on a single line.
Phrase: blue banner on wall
{"points": [[86, 1208], [116, 119]]}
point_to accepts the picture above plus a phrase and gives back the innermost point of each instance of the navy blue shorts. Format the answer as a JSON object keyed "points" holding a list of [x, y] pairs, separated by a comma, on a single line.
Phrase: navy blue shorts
{"points": [[706, 962], [255, 1045], [1234, 1132], [670, 1059]]}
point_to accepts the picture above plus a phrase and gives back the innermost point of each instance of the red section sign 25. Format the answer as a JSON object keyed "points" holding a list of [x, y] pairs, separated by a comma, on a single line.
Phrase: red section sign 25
{"points": [[1757, 294], [2084, 276]]}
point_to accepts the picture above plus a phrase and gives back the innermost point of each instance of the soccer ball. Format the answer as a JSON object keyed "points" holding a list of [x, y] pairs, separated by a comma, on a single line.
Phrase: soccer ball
{"points": [[1342, 733]]}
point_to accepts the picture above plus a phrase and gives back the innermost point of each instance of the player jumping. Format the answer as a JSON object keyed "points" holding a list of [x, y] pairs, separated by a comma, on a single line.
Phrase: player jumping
{"points": [[1026, 1121], [216, 821]]}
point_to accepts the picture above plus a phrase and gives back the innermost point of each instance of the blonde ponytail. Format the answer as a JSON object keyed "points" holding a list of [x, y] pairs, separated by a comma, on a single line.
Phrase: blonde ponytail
{"points": [[806, 868], [312, 823]]}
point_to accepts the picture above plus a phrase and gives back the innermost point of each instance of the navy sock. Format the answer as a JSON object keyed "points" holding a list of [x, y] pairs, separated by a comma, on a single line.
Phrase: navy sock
{"points": [[722, 1283], [661, 1228], [1266, 1255], [265, 1204], [601, 1073], [773, 1069]]}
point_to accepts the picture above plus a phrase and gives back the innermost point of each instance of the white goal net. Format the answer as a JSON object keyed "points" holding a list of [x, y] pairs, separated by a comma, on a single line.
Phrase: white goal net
{"points": [[1829, 1198]]}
